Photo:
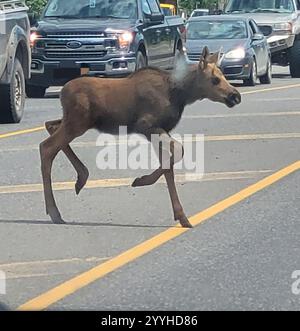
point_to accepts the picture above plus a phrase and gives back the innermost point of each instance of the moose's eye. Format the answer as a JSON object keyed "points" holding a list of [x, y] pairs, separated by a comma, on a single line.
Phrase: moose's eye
{"points": [[216, 80]]}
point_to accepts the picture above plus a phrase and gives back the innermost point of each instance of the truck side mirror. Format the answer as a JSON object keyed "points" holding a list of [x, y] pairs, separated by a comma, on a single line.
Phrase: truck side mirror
{"points": [[258, 37], [154, 18]]}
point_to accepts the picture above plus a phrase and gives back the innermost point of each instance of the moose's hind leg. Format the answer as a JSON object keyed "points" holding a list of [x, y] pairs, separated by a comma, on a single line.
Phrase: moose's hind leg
{"points": [[48, 151], [81, 169]]}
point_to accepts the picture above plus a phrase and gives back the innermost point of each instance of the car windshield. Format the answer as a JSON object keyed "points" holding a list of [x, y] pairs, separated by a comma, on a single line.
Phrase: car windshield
{"points": [[260, 6], [216, 30], [81, 9]]}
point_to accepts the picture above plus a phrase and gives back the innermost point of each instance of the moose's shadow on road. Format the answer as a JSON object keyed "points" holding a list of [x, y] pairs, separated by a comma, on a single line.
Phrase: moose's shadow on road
{"points": [[84, 224]]}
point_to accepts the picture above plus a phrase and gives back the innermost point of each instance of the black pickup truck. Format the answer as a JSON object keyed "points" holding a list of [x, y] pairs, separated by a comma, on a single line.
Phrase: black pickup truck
{"points": [[15, 59], [100, 37]]}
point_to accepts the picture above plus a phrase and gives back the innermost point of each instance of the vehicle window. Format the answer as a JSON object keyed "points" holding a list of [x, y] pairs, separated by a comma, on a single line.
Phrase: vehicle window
{"points": [[199, 13], [260, 6], [298, 4], [167, 11], [217, 30], [145, 7], [81, 9], [155, 9]]}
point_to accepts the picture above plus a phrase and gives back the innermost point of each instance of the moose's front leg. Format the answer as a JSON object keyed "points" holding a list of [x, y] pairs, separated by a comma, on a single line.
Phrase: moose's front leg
{"points": [[179, 214], [169, 152]]}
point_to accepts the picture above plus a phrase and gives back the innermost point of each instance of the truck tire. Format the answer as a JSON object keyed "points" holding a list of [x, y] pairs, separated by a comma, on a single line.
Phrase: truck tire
{"points": [[141, 61], [35, 92], [295, 59], [252, 80], [267, 77], [12, 96]]}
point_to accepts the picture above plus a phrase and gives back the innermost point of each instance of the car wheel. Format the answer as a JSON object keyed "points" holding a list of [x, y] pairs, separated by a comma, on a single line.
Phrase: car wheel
{"points": [[12, 96], [294, 58], [252, 80], [141, 61], [267, 77], [35, 92]]}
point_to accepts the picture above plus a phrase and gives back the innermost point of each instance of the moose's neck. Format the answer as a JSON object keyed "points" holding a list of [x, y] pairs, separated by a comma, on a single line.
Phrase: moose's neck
{"points": [[184, 87]]}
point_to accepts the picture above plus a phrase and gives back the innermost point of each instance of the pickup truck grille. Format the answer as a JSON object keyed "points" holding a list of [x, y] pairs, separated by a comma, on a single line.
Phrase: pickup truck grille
{"points": [[75, 48], [74, 55], [266, 30]]}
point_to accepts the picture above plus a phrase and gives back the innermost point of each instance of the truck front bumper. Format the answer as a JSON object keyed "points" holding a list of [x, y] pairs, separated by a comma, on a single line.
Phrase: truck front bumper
{"points": [[57, 73], [278, 43]]}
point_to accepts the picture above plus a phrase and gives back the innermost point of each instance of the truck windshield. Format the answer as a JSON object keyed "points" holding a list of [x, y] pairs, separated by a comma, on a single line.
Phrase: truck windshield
{"points": [[83, 9], [216, 30], [260, 6]]}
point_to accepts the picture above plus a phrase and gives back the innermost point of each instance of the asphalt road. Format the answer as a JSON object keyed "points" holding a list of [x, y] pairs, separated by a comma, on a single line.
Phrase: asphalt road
{"points": [[121, 249]]}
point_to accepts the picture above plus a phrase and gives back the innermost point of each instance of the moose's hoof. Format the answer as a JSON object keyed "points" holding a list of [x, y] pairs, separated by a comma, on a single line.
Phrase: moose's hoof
{"points": [[139, 182], [81, 181], [58, 220], [185, 223]]}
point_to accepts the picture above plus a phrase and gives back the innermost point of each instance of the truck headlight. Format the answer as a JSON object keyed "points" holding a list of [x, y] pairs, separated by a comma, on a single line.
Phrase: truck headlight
{"points": [[283, 27], [33, 37], [125, 38], [238, 53]]}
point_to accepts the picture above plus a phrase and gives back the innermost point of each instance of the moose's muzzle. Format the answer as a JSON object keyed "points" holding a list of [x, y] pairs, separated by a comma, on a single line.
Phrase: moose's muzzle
{"points": [[233, 99]]}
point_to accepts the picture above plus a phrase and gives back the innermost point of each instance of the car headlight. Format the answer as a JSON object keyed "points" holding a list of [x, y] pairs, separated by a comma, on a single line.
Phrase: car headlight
{"points": [[238, 53], [283, 27]]}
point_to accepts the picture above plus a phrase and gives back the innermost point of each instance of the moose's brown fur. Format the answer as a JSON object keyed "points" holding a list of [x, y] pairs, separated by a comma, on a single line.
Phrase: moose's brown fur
{"points": [[148, 102]]}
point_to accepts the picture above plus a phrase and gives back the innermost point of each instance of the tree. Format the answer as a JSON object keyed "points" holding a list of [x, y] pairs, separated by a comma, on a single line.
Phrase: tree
{"points": [[192, 4], [36, 6]]}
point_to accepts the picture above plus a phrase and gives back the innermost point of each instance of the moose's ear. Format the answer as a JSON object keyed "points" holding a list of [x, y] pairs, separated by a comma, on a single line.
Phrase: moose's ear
{"points": [[204, 58], [214, 58]]}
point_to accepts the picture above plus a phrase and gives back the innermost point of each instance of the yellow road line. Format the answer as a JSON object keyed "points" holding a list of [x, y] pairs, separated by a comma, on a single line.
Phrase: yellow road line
{"points": [[73, 285], [21, 132], [122, 141], [119, 182], [237, 115], [278, 88]]}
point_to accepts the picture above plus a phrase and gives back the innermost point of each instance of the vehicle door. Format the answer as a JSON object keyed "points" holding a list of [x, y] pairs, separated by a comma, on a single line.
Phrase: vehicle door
{"points": [[155, 34], [260, 47], [3, 42]]}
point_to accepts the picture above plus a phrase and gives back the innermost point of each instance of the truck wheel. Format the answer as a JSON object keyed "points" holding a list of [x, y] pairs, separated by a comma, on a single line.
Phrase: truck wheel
{"points": [[252, 80], [295, 60], [35, 92], [12, 96], [140, 61], [267, 77]]}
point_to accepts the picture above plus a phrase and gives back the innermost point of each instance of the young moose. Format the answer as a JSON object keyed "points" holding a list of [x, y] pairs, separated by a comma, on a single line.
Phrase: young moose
{"points": [[149, 102]]}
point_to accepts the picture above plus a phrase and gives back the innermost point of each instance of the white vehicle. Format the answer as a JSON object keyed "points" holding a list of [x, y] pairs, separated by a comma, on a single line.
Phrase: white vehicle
{"points": [[15, 58]]}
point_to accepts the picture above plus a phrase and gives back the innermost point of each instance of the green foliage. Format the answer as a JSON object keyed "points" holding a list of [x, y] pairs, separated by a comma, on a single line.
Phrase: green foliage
{"points": [[192, 4], [36, 6]]}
